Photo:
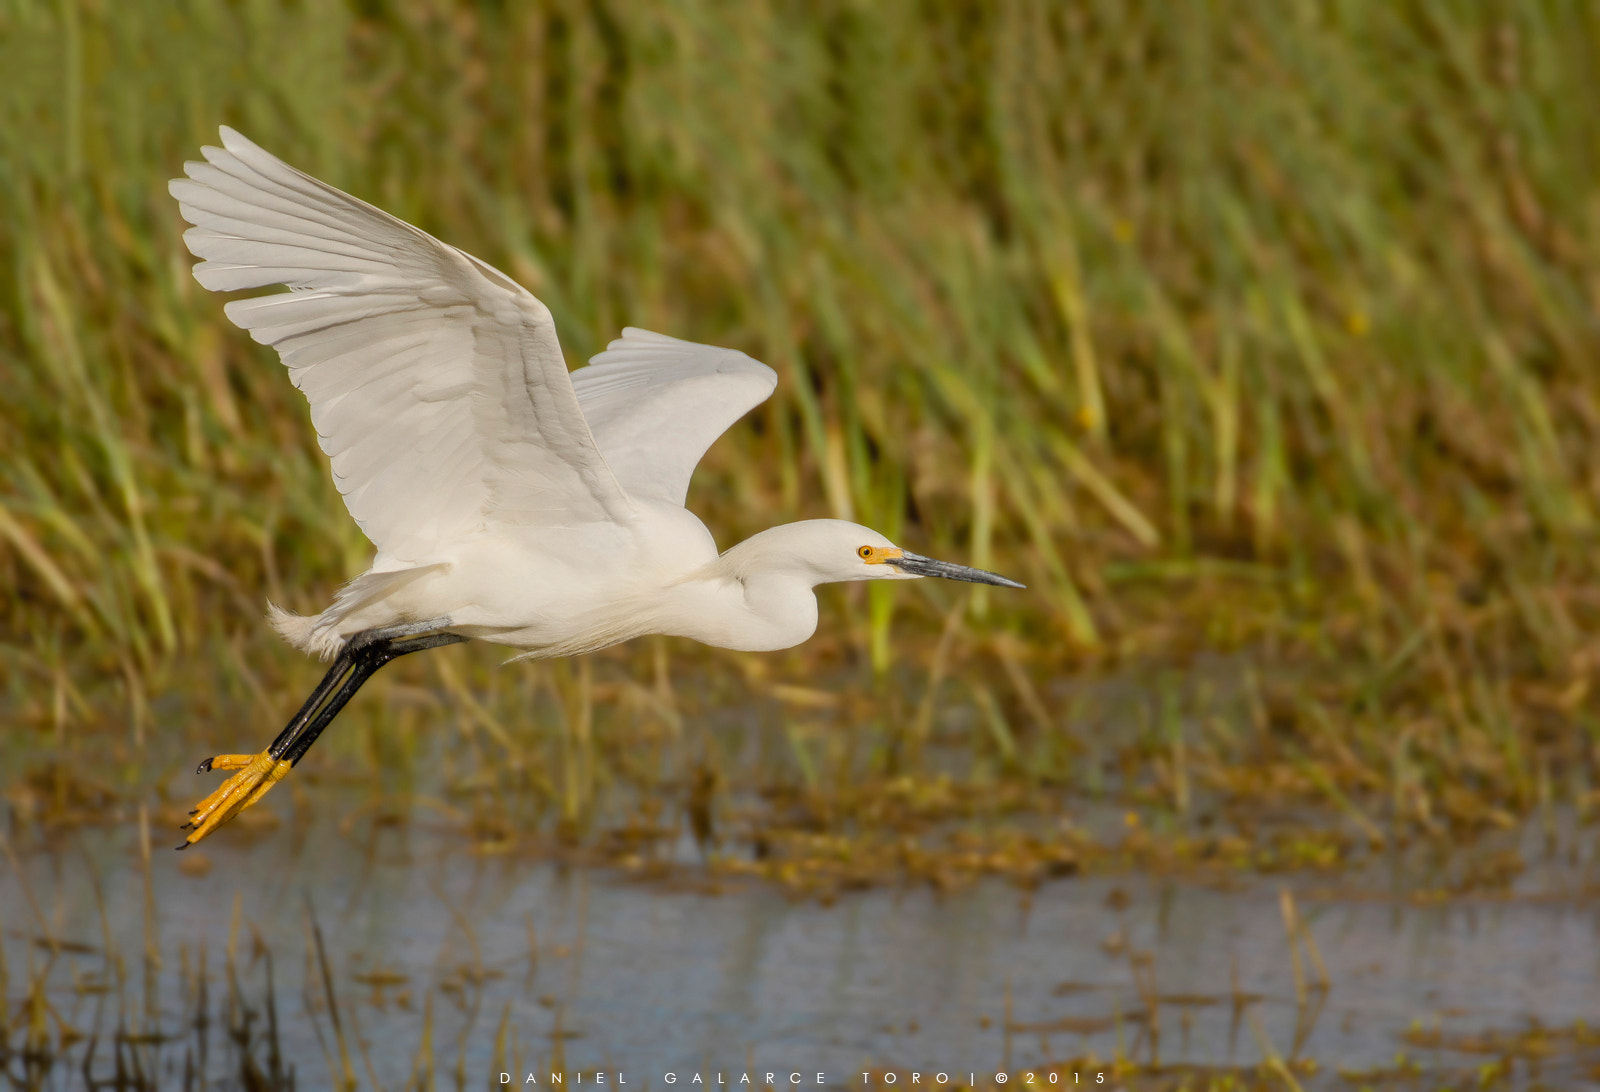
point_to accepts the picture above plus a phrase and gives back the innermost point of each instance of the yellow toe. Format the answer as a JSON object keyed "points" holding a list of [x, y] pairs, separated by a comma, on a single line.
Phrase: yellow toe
{"points": [[257, 774], [227, 762]]}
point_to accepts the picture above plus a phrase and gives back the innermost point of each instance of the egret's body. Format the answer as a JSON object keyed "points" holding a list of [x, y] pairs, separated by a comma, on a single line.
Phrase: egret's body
{"points": [[534, 589], [509, 500]]}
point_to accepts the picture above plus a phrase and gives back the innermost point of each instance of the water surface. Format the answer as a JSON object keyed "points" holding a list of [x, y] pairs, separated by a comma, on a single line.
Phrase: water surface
{"points": [[593, 970]]}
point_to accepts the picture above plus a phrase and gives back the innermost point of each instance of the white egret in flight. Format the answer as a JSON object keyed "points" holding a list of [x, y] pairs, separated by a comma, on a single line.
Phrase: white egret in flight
{"points": [[509, 500]]}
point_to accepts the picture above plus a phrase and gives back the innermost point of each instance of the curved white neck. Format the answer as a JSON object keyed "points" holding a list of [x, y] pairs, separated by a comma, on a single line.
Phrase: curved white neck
{"points": [[756, 597]]}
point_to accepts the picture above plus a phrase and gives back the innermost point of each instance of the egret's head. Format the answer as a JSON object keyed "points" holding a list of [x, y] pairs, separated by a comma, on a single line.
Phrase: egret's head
{"points": [[896, 564], [836, 550]]}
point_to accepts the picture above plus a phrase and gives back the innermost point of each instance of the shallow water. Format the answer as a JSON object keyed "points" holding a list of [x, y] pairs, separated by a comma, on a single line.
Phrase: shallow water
{"points": [[646, 979]]}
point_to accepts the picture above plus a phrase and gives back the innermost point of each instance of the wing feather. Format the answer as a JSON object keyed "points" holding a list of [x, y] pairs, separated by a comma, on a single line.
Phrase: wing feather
{"points": [[436, 383], [655, 404]]}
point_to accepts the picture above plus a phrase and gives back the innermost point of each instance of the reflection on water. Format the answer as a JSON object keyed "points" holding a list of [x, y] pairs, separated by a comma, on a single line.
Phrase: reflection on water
{"points": [[593, 970]]}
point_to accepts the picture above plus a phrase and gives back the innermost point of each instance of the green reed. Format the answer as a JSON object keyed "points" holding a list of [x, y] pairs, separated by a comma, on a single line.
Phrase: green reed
{"points": [[1249, 328]]}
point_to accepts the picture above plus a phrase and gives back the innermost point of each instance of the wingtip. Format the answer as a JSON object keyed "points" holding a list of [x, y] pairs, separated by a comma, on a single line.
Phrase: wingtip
{"points": [[236, 144]]}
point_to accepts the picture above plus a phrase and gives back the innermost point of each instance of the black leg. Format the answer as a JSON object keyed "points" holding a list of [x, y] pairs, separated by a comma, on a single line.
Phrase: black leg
{"points": [[289, 746], [297, 723], [358, 660], [361, 657]]}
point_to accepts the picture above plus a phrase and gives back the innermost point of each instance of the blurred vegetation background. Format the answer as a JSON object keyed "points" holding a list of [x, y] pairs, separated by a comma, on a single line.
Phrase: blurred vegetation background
{"points": [[1260, 334]]}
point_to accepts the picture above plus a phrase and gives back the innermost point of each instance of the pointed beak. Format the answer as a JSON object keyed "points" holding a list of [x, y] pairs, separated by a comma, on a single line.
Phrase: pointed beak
{"points": [[917, 565]]}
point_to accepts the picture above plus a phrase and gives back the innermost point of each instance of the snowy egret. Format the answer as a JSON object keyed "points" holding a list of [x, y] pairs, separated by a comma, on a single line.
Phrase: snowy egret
{"points": [[509, 500]]}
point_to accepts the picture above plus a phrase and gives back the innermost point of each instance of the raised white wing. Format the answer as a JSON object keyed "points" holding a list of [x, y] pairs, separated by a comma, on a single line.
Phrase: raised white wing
{"points": [[436, 383], [655, 404]]}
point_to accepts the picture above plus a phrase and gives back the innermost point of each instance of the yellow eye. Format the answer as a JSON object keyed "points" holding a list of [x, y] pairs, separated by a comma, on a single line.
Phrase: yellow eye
{"points": [[865, 552]]}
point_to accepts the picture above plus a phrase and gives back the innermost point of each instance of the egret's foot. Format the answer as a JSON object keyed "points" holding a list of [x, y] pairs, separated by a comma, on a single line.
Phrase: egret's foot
{"points": [[257, 774]]}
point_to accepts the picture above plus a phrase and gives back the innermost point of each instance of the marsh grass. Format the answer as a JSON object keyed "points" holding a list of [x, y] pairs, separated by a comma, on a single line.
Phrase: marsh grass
{"points": [[1261, 333]]}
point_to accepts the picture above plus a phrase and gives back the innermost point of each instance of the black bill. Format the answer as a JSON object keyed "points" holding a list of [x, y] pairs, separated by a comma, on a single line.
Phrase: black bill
{"points": [[918, 565]]}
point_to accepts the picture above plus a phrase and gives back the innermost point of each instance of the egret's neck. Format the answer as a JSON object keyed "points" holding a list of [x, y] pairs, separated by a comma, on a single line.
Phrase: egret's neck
{"points": [[756, 597]]}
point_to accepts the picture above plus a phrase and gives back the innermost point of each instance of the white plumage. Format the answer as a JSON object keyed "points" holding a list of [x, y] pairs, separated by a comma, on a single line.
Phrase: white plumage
{"points": [[508, 499], [655, 404], [436, 383]]}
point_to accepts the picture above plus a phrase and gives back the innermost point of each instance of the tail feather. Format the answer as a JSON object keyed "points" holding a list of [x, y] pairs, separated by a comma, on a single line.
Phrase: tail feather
{"points": [[324, 634], [307, 632]]}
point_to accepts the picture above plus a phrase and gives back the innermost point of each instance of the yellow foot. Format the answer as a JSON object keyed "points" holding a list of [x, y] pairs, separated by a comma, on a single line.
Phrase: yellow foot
{"points": [[257, 774]]}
